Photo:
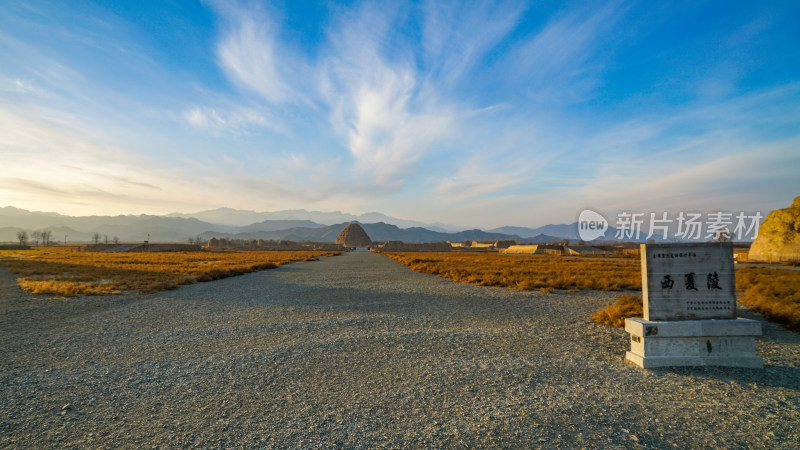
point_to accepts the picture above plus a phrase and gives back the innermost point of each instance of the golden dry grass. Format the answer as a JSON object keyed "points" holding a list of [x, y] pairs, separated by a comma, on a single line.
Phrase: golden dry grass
{"points": [[627, 305], [67, 272], [775, 293], [526, 271]]}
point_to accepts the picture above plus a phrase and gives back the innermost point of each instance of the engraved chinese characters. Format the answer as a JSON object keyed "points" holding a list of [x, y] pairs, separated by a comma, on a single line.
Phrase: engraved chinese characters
{"points": [[688, 281]]}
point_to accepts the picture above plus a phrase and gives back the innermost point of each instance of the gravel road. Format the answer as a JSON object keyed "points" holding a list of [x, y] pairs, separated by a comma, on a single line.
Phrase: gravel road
{"points": [[358, 351]]}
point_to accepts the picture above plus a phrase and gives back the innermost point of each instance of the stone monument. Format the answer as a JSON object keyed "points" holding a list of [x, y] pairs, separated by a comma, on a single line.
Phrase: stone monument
{"points": [[689, 294]]}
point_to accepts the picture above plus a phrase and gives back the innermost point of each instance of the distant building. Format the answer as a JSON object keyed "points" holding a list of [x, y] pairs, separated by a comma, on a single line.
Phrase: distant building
{"points": [[584, 250], [504, 243], [476, 244], [534, 249], [397, 246]]}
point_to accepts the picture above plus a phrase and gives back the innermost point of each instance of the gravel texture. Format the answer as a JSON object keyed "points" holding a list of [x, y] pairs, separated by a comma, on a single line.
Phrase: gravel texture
{"points": [[359, 351]]}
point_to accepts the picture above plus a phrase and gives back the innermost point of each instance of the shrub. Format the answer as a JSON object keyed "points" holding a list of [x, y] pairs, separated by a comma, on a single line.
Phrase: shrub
{"points": [[627, 305]]}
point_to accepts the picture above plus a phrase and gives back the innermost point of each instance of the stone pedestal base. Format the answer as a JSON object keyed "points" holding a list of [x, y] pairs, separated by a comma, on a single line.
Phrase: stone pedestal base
{"points": [[693, 343]]}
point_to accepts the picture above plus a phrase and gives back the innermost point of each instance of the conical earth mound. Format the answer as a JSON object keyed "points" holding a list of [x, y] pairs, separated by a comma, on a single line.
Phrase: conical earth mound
{"points": [[354, 236]]}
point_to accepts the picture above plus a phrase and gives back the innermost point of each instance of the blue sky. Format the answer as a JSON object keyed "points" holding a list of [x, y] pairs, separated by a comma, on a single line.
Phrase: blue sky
{"points": [[474, 113]]}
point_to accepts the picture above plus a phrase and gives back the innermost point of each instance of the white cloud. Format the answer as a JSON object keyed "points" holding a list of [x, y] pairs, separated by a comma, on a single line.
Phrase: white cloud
{"points": [[236, 120], [29, 87], [390, 129], [51, 134], [251, 56], [51, 164], [501, 162], [390, 111], [720, 182], [57, 162], [561, 63], [389, 115], [727, 160], [474, 180], [738, 154], [455, 39]]}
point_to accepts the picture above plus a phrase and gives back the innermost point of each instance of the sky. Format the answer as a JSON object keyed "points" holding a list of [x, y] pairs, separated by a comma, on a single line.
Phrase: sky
{"points": [[476, 113]]}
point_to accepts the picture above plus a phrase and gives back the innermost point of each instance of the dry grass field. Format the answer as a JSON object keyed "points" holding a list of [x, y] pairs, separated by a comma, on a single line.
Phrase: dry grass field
{"points": [[65, 271], [775, 293], [526, 271]]}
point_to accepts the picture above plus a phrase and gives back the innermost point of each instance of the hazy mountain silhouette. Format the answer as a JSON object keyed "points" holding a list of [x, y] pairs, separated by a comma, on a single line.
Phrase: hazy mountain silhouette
{"points": [[171, 228], [238, 217], [561, 231], [377, 232], [275, 225]]}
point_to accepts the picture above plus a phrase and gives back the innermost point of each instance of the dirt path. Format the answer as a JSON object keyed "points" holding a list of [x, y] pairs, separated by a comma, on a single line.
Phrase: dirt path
{"points": [[359, 351]]}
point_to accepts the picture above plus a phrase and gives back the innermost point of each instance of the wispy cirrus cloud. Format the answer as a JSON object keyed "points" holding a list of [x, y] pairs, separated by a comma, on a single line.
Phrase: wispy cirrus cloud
{"points": [[390, 109], [702, 157], [250, 56], [473, 179], [58, 158], [236, 120], [561, 62], [73, 166], [456, 40], [710, 183], [29, 87], [388, 113]]}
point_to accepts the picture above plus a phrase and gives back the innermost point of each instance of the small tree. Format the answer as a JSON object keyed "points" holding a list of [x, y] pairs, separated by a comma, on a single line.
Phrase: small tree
{"points": [[105, 238], [46, 235], [116, 240], [22, 237], [96, 238], [36, 235]]}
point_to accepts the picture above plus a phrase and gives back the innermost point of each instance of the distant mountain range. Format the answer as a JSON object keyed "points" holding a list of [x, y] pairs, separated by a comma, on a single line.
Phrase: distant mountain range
{"points": [[377, 232], [295, 225], [563, 231], [240, 218]]}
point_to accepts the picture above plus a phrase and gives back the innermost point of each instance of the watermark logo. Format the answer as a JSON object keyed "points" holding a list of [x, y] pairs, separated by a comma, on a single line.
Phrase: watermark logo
{"points": [[684, 226], [591, 225]]}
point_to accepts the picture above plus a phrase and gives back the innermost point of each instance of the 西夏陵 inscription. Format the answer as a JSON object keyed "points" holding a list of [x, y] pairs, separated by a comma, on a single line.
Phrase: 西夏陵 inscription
{"points": [[688, 281]]}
